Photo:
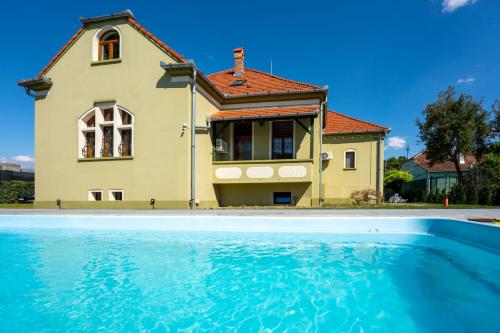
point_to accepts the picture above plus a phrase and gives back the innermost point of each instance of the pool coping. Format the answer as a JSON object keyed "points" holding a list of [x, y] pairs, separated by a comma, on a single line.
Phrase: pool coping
{"points": [[463, 214]]}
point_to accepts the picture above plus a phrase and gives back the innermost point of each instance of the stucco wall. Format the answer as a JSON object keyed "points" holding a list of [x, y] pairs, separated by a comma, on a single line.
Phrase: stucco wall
{"points": [[159, 168], [339, 182], [262, 194]]}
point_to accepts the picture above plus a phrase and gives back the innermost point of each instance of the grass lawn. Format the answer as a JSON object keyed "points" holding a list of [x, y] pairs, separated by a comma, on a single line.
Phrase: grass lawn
{"points": [[16, 205]]}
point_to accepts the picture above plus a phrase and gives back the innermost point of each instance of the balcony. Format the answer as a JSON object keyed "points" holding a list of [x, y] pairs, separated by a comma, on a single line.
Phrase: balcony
{"points": [[262, 171]]}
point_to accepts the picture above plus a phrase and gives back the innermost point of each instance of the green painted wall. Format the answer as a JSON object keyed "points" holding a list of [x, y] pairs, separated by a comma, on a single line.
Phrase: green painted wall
{"points": [[137, 83], [339, 182]]}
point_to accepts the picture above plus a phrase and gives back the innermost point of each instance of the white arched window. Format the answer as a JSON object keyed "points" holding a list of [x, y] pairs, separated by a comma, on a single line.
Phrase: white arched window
{"points": [[107, 44], [350, 159], [106, 131]]}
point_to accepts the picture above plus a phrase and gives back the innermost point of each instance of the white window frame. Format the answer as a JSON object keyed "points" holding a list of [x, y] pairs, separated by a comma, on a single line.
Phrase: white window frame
{"points": [[97, 38], [350, 150], [91, 197], [112, 197], [116, 123]]}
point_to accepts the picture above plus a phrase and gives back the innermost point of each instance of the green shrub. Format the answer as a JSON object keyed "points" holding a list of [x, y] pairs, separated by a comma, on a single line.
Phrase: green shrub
{"points": [[486, 195], [471, 193], [457, 194], [11, 189]]}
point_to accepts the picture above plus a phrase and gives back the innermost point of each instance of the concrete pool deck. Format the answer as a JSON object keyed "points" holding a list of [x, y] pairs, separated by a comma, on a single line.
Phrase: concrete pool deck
{"points": [[445, 213]]}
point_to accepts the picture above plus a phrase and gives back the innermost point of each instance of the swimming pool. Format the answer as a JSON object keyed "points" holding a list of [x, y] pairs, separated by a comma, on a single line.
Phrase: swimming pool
{"points": [[157, 274]]}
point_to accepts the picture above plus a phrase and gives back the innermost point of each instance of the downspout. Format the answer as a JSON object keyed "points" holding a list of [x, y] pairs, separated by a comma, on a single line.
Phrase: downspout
{"points": [[192, 201], [322, 108], [379, 169]]}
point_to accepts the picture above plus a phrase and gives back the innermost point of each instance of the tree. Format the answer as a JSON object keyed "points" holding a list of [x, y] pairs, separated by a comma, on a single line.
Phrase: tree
{"points": [[454, 127], [394, 179], [394, 163], [495, 123]]}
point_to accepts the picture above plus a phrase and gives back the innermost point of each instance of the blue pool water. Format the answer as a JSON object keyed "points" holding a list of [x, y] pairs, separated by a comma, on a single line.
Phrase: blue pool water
{"points": [[57, 280]]}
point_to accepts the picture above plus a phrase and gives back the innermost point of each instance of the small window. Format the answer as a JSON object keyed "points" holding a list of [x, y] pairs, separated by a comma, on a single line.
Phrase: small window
{"points": [[95, 195], [282, 198], [237, 83], [116, 195], [109, 46], [350, 159]]}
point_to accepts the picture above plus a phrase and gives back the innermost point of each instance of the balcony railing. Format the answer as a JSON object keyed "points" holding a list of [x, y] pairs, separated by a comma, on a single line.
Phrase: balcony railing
{"points": [[262, 171], [88, 151]]}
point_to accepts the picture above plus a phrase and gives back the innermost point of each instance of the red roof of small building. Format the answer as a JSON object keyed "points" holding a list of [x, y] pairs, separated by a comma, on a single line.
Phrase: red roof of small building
{"points": [[255, 82], [273, 112], [136, 25], [337, 123], [422, 160]]}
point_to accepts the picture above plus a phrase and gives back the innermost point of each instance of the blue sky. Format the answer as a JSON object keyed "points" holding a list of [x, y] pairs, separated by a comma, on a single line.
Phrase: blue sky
{"points": [[383, 60]]}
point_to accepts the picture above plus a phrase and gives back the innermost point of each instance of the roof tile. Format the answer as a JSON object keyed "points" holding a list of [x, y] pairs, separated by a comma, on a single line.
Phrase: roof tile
{"points": [[421, 160], [257, 82], [265, 112], [337, 123]]}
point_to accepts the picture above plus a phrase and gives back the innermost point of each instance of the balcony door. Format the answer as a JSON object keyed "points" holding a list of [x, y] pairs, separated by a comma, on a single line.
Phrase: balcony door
{"points": [[282, 140], [242, 141]]}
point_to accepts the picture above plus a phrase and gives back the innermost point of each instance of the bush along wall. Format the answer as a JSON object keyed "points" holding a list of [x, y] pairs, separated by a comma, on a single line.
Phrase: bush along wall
{"points": [[11, 189]]}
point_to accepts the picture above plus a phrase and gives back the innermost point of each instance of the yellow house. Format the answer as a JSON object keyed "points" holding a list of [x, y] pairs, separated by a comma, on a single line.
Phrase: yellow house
{"points": [[122, 120]]}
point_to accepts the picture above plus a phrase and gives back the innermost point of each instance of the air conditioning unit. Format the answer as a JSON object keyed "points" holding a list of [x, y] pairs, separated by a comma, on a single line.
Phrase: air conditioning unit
{"points": [[326, 156], [221, 146]]}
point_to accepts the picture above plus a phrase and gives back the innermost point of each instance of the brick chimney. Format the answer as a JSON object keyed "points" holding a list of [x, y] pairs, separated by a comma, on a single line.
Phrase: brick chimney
{"points": [[239, 59]]}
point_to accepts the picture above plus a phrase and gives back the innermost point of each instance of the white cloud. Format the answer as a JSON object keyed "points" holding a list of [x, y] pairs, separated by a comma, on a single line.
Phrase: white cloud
{"points": [[469, 80], [452, 5], [396, 142], [23, 159]]}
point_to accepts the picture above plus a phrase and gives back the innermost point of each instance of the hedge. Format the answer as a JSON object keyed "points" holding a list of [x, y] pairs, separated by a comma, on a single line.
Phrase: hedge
{"points": [[11, 189]]}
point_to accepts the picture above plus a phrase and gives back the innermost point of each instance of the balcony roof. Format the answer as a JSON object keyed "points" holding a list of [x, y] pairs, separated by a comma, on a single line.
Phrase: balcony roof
{"points": [[266, 113]]}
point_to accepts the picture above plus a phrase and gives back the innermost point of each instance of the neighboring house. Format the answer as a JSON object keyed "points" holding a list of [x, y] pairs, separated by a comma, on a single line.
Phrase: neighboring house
{"points": [[121, 118], [434, 177], [10, 167], [13, 171]]}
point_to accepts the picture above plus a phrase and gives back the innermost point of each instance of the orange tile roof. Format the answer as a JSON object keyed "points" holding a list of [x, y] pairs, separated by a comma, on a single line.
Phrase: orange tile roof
{"points": [[162, 45], [337, 123], [60, 53], [134, 23], [256, 82], [421, 160], [273, 112]]}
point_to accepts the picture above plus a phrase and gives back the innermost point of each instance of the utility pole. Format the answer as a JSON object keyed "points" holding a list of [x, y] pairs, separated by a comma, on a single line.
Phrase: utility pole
{"points": [[407, 151], [271, 66]]}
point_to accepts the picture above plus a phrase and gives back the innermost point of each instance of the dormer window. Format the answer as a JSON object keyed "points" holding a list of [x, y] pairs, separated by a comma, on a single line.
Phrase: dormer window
{"points": [[109, 46]]}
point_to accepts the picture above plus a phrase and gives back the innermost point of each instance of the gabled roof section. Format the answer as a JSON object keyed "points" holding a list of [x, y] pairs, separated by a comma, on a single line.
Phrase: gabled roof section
{"points": [[125, 15], [337, 123], [266, 113], [446, 166], [252, 81]]}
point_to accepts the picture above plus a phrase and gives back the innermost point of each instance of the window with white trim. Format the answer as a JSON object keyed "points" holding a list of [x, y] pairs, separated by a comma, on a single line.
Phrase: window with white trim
{"points": [[95, 195], [107, 44], [350, 159], [106, 131], [116, 195]]}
